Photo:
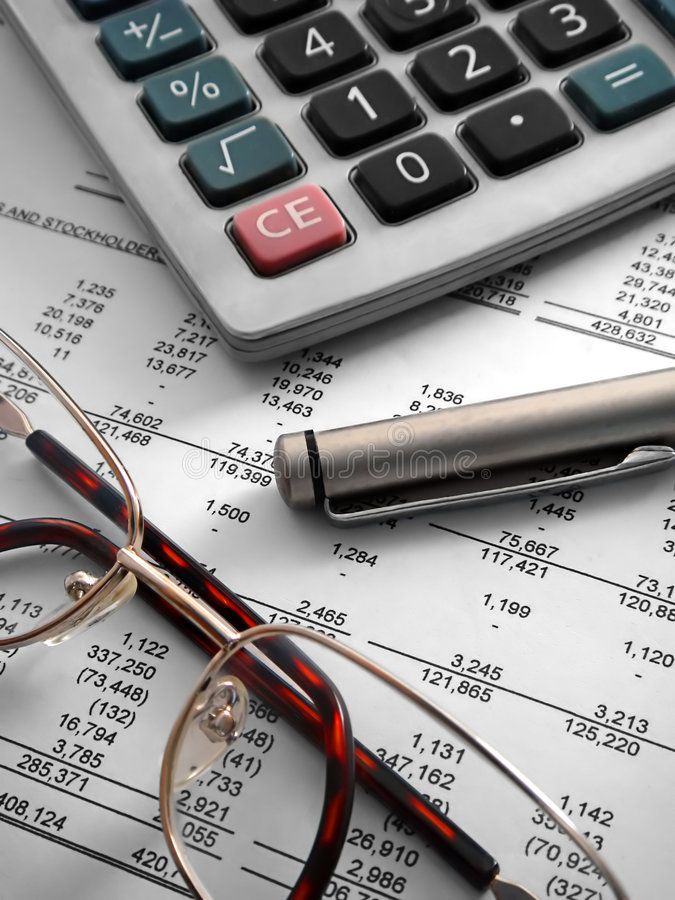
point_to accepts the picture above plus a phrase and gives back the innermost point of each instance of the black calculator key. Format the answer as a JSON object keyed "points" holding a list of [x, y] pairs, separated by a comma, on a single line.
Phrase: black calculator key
{"points": [[362, 112], [502, 4], [519, 132], [412, 178], [470, 68], [313, 52], [556, 33], [257, 15], [96, 9], [405, 23]]}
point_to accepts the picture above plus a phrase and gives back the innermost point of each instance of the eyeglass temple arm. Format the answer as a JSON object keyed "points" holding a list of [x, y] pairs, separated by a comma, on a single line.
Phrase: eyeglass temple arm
{"points": [[464, 854]]}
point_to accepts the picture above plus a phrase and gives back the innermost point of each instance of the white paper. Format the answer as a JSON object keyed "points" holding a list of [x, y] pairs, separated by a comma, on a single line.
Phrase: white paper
{"points": [[569, 320]]}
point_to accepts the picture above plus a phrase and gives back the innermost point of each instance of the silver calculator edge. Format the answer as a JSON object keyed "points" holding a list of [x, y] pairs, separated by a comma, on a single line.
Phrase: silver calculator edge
{"points": [[386, 269]]}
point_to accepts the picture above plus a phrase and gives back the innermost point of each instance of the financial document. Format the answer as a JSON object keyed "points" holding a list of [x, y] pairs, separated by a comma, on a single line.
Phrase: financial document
{"points": [[547, 624]]}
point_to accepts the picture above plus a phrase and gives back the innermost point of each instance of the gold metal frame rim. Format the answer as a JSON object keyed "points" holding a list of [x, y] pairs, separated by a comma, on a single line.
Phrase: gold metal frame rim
{"points": [[124, 479], [238, 640], [58, 626], [250, 635]]}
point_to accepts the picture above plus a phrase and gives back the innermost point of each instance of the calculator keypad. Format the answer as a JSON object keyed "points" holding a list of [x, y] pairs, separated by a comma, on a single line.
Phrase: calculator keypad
{"points": [[315, 51], [362, 112], [187, 101], [557, 33], [412, 178], [307, 47], [519, 132], [152, 37], [241, 160], [257, 15], [403, 24], [467, 69]]}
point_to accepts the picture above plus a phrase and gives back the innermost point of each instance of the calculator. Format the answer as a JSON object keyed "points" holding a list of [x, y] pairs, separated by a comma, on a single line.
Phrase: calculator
{"points": [[308, 166]]}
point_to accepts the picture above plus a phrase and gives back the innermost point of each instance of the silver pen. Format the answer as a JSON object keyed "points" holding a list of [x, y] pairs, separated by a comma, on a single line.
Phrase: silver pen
{"points": [[480, 452]]}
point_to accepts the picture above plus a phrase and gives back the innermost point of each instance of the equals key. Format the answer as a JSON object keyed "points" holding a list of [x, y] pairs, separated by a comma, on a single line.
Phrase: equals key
{"points": [[622, 88]]}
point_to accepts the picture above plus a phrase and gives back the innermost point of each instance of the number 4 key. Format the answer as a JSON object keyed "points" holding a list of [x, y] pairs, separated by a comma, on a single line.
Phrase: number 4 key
{"points": [[306, 55]]}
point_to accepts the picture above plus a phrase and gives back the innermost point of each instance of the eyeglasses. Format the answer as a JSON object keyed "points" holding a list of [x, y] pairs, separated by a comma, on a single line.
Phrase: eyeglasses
{"points": [[297, 765]]}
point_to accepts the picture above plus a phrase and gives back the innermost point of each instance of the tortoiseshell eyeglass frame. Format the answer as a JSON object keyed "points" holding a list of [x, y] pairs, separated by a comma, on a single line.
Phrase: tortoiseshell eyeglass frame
{"points": [[219, 621]]}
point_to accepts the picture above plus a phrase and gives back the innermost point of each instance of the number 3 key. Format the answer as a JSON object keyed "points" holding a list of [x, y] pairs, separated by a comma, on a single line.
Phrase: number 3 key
{"points": [[556, 33]]}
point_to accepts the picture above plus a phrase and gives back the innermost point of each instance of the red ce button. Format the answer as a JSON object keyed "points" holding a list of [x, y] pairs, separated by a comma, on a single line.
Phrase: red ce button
{"points": [[289, 229]]}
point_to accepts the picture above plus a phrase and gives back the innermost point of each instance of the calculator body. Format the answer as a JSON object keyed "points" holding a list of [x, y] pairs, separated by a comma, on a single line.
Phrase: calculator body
{"points": [[381, 268]]}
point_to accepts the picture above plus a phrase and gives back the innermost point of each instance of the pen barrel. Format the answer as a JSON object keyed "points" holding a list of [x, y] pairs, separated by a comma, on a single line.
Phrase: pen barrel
{"points": [[469, 441]]}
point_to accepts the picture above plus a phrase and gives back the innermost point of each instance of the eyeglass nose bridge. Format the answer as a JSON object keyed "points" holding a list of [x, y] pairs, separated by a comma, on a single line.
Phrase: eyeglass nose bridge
{"points": [[108, 594], [13, 420], [224, 720], [217, 719]]}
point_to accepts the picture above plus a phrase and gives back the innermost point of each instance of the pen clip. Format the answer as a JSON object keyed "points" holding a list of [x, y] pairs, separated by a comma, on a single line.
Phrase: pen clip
{"points": [[639, 461]]}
